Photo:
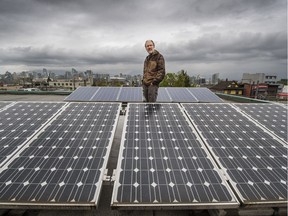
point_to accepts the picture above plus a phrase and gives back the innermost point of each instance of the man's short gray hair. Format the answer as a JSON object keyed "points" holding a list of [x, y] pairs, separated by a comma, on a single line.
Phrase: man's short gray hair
{"points": [[149, 41]]}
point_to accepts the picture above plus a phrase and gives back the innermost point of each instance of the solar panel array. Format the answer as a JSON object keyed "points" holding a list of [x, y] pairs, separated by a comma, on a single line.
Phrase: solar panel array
{"points": [[55, 153], [255, 162], [20, 121], [65, 162], [163, 162], [271, 116], [134, 94]]}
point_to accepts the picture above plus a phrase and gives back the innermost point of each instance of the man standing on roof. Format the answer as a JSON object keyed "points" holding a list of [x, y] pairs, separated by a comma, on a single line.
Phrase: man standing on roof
{"points": [[153, 73]]}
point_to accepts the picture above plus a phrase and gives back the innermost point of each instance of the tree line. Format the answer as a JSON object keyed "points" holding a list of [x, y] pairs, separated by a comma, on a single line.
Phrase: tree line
{"points": [[179, 79]]}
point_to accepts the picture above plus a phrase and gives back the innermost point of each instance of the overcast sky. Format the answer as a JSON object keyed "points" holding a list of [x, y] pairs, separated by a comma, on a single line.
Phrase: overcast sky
{"points": [[229, 37]]}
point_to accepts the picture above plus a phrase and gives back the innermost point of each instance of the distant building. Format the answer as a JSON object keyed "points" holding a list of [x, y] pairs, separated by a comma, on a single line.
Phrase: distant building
{"points": [[259, 78], [228, 87], [284, 94], [253, 78], [201, 81], [88, 75], [52, 76], [68, 75], [35, 74], [45, 72], [68, 85], [260, 85], [15, 76], [259, 90], [118, 80], [74, 71], [101, 76], [215, 78], [270, 79]]}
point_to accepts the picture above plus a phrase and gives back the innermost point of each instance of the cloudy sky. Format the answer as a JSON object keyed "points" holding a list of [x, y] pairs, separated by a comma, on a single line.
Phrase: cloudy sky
{"points": [[229, 37]]}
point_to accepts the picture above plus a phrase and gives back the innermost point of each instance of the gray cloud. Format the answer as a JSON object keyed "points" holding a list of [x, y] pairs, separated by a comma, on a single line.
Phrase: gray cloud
{"points": [[208, 35]]}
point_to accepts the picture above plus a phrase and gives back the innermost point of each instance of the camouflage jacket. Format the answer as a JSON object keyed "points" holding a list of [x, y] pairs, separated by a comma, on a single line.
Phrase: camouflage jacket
{"points": [[154, 69]]}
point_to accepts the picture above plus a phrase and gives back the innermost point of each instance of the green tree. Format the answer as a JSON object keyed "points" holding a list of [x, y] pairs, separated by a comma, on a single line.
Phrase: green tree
{"points": [[169, 80], [181, 79], [116, 83]]}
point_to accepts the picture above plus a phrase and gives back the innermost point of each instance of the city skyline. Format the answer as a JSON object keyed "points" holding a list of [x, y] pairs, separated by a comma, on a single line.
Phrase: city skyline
{"points": [[201, 37], [89, 73]]}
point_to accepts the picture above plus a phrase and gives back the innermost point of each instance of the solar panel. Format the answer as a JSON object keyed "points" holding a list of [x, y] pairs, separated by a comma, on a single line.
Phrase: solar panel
{"points": [[130, 94], [65, 163], [255, 162], [181, 95], [82, 94], [162, 162], [283, 105], [271, 116], [134, 94], [3, 104], [106, 94], [163, 95], [205, 95], [20, 121]]}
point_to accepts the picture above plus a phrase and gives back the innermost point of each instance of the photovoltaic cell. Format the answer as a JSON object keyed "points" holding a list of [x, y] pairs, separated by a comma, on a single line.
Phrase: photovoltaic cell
{"points": [[255, 162], [3, 104], [162, 162], [20, 121], [205, 95], [271, 116], [106, 94], [65, 163], [130, 94], [163, 95], [82, 94], [181, 95]]}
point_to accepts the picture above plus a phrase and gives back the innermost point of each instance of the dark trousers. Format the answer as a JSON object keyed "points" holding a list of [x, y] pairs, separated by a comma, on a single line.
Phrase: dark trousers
{"points": [[150, 93]]}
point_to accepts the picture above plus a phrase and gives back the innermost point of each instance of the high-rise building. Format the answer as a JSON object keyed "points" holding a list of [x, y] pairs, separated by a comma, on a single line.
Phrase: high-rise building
{"points": [[52, 75], [74, 71], [45, 73], [35, 74], [215, 78], [68, 75]]}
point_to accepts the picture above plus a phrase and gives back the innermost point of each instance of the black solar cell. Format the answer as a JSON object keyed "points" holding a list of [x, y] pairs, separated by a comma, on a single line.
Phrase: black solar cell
{"points": [[181, 95], [3, 104], [20, 122], [106, 94], [205, 95], [271, 116], [130, 94], [82, 94]]}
